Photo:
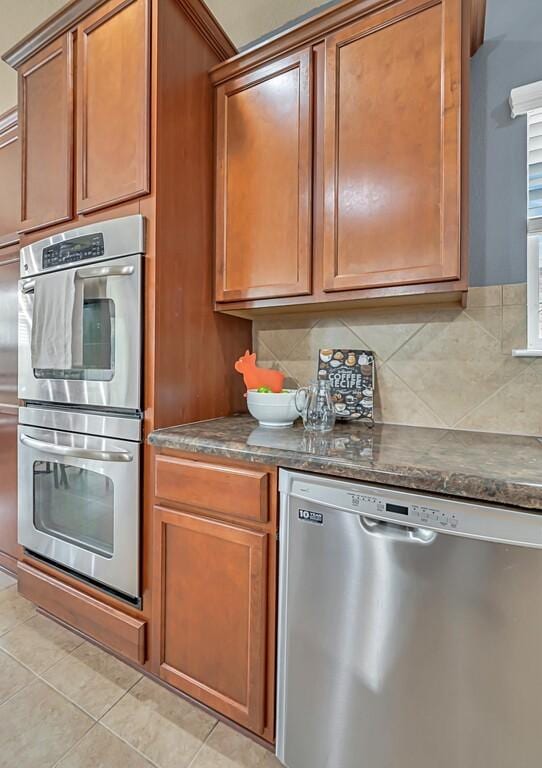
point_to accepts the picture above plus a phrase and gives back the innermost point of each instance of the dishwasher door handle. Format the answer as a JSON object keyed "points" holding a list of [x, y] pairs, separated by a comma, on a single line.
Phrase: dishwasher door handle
{"points": [[397, 532]]}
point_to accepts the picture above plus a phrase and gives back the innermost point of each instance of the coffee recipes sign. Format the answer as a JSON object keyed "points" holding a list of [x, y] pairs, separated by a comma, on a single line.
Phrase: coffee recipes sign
{"points": [[350, 373]]}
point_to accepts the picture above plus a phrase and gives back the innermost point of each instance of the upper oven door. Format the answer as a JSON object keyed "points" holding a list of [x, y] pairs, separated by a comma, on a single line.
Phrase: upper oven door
{"points": [[110, 374]]}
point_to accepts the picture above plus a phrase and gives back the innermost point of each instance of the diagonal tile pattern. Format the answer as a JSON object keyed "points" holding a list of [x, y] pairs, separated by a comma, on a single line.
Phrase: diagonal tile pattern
{"points": [[13, 609], [38, 726], [101, 749], [39, 643], [436, 366], [165, 729], [6, 581], [89, 710], [92, 679]]}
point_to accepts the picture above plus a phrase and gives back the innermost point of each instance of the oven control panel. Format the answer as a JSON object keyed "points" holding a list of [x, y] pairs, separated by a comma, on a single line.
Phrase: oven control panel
{"points": [[71, 251]]}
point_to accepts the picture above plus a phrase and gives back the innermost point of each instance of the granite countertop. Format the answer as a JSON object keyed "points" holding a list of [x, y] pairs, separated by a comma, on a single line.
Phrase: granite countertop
{"points": [[502, 469]]}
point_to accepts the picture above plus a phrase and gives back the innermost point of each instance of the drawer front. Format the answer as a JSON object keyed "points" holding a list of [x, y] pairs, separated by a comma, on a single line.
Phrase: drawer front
{"points": [[108, 626], [237, 493]]}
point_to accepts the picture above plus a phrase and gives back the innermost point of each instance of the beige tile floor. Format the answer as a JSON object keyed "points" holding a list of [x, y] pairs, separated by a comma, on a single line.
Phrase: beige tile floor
{"points": [[66, 704]]}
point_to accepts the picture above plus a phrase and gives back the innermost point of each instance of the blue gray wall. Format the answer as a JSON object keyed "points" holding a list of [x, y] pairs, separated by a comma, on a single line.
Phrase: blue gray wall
{"points": [[510, 56]]}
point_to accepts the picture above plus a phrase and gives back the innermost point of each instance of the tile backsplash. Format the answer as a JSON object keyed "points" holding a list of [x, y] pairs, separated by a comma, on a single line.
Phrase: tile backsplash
{"points": [[437, 366]]}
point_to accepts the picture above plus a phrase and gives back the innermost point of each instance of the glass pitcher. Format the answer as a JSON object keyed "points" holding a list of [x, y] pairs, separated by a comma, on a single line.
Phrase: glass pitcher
{"points": [[315, 405]]}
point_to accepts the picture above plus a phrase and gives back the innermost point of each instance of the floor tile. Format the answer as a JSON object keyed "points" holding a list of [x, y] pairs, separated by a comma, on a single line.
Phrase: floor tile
{"points": [[13, 677], [270, 761], [99, 748], [226, 748], [92, 679], [13, 609], [6, 580], [38, 726], [39, 643], [165, 728]]}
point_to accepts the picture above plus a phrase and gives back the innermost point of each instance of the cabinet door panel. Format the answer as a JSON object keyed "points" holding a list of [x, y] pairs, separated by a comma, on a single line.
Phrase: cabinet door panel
{"points": [[264, 181], [113, 105], [46, 123], [211, 582], [10, 186], [392, 153]]}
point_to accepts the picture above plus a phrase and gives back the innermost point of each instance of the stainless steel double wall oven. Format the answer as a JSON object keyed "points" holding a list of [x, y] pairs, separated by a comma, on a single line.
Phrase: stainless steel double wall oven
{"points": [[80, 427]]}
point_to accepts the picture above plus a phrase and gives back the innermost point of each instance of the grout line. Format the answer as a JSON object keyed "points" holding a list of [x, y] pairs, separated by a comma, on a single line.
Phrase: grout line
{"points": [[203, 743], [366, 346], [17, 624], [296, 344], [493, 394], [73, 746], [442, 423], [24, 687], [126, 692], [484, 329], [121, 738], [46, 669]]}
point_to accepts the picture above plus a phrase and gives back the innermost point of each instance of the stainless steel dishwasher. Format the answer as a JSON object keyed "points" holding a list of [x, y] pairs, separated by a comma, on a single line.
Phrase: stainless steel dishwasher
{"points": [[410, 630]]}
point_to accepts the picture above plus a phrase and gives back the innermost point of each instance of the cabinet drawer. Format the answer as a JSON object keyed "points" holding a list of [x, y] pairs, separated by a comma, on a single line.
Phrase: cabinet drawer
{"points": [[239, 493], [108, 626]]}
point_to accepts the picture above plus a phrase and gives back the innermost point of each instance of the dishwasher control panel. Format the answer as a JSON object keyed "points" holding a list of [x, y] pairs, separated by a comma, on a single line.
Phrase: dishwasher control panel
{"points": [[321, 495], [418, 514]]}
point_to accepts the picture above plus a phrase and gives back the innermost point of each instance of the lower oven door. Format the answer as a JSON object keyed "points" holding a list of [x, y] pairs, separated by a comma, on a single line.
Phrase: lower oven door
{"points": [[79, 504]]}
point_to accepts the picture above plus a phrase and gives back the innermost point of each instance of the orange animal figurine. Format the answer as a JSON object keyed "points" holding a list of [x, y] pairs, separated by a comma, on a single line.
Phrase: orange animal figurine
{"points": [[255, 377]]}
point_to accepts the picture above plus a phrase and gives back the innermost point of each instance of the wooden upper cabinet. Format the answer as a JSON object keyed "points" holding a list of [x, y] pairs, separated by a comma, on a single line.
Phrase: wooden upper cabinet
{"points": [[10, 179], [210, 587], [113, 112], [46, 125], [264, 178], [392, 156]]}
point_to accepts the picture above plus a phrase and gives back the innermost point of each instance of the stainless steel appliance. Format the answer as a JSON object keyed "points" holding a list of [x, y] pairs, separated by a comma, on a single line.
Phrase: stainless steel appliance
{"points": [[9, 272], [79, 493], [9, 275], [107, 257], [79, 433], [410, 629]]}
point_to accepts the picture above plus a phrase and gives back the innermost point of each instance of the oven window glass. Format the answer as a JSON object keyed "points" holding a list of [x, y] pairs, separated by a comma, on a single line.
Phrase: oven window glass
{"points": [[98, 340], [75, 505]]}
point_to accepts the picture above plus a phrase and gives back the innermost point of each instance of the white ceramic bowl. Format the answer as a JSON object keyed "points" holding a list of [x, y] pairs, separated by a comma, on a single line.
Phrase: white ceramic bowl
{"points": [[273, 409]]}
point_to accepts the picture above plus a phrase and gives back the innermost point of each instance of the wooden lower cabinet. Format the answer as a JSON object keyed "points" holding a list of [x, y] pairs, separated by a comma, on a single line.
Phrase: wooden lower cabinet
{"points": [[120, 632], [214, 585], [211, 583]]}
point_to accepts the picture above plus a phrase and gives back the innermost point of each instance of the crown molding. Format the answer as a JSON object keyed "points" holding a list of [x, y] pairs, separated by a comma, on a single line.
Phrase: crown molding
{"points": [[208, 26], [9, 120], [66, 18], [526, 98], [309, 31]]}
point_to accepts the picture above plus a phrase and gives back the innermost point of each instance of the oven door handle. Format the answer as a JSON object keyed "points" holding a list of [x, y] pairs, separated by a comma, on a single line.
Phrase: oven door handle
{"points": [[89, 273], [76, 453]]}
